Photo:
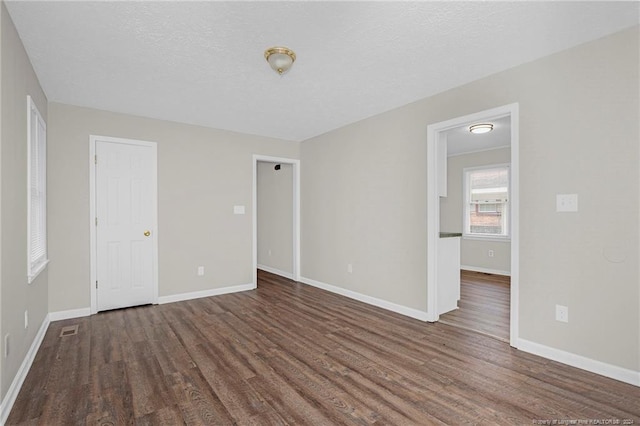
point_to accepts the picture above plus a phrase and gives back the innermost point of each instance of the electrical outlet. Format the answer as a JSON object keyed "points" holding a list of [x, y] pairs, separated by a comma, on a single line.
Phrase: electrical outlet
{"points": [[567, 202], [26, 319], [350, 268], [200, 271], [491, 253], [562, 313], [6, 346]]}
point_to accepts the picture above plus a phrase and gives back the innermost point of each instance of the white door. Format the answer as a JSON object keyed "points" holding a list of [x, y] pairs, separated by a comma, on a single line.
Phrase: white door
{"points": [[126, 202]]}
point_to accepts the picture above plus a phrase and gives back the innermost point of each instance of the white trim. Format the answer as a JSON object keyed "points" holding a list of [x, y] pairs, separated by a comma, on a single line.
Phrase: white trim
{"points": [[92, 228], [514, 319], [34, 269], [478, 151], [11, 395], [433, 207], [276, 271], [296, 212], [92, 212], [493, 239], [205, 293], [72, 313], [485, 270], [598, 367], [433, 222], [390, 306], [34, 273], [466, 203]]}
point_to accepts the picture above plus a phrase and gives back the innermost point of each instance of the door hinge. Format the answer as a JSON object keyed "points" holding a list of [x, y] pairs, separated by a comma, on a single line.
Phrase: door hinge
{"points": [[96, 283], [96, 221], [95, 159]]}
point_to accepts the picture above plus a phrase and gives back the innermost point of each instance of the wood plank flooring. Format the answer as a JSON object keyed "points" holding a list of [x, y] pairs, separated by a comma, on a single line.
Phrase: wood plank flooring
{"points": [[288, 353], [484, 305]]}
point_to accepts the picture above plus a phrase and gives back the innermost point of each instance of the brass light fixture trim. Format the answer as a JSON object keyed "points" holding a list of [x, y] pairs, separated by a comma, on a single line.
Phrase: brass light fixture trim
{"points": [[280, 58]]}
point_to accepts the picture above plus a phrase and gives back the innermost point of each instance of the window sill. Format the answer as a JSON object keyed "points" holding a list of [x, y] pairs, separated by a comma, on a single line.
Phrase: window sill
{"points": [[496, 239], [36, 271]]}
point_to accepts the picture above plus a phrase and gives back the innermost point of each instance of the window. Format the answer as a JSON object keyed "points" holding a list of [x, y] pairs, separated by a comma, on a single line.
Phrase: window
{"points": [[486, 193], [36, 191]]}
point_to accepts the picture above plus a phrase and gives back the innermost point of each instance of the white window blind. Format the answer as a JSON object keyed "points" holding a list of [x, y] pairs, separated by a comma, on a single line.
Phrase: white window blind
{"points": [[486, 192], [36, 191]]}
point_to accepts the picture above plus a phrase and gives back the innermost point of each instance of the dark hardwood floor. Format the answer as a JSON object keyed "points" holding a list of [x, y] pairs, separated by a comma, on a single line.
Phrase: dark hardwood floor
{"points": [[288, 353], [484, 305]]}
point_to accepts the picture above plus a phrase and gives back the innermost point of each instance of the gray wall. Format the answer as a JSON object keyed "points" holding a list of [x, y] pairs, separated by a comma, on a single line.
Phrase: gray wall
{"points": [[364, 197], [17, 81], [202, 174], [473, 253], [275, 217]]}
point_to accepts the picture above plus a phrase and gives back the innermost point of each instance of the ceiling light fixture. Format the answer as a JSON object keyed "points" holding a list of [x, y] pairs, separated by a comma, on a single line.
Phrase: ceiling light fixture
{"points": [[280, 58], [480, 128]]}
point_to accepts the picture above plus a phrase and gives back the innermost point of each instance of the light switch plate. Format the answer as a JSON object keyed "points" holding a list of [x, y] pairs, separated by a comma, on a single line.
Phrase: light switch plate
{"points": [[567, 202], [238, 209]]}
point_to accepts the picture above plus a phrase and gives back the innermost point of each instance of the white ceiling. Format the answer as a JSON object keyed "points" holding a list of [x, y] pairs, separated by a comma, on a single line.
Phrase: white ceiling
{"points": [[460, 140], [202, 62]]}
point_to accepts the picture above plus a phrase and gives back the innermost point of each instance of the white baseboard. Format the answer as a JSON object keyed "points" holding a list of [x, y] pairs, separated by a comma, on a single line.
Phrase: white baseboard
{"points": [[85, 312], [578, 361], [72, 313], [390, 306], [205, 293], [276, 271], [18, 380], [485, 270]]}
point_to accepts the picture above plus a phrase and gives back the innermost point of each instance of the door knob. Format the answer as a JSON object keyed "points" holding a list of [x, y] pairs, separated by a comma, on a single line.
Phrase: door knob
{"points": [[147, 233]]}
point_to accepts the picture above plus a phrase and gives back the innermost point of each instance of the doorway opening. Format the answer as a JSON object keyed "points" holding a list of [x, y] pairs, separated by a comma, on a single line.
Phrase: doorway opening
{"points": [[276, 216], [483, 305], [437, 186]]}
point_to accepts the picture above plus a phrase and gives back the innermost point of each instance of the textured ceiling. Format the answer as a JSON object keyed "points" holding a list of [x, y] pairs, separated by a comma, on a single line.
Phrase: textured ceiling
{"points": [[202, 62]]}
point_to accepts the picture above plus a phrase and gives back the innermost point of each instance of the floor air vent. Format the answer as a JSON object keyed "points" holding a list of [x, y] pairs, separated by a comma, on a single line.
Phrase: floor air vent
{"points": [[69, 331]]}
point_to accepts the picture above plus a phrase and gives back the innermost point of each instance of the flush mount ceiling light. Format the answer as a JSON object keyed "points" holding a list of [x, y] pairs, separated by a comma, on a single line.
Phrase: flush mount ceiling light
{"points": [[280, 58], [480, 128]]}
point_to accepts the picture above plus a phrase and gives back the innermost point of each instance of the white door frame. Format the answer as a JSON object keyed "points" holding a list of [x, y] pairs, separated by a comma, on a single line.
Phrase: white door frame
{"points": [[433, 207], [296, 212], [92, 212]]}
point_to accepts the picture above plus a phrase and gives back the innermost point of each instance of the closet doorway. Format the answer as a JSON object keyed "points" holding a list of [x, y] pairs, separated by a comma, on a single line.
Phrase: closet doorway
{"points": [[276, 216]]}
